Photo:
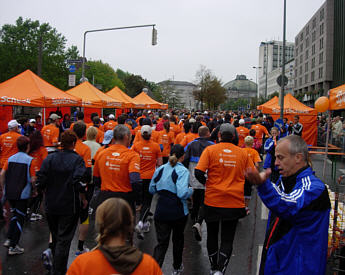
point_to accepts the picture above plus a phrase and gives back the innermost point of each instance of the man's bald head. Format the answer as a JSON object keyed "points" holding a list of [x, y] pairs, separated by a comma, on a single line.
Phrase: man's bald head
{"points": [[203, 131]]}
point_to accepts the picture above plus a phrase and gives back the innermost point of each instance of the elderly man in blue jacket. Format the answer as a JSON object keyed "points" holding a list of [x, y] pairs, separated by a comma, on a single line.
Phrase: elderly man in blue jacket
{"points": [[297, 230]]}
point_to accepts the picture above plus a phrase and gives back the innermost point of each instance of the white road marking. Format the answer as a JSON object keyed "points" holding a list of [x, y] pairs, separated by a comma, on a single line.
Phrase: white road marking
{"points": [[259, 259], [264, 212]]}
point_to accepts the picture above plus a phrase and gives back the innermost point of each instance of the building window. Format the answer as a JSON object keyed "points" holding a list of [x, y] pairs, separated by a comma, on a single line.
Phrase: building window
{"points": [[321, 43], [313, 36], [321, 58], [307, 42], [296, 72], [313, 63], [321, 72], [322, 14], [314, 23], [312, 76], [295, 82], [306, 67], [301, 47], [306, 54], [301, 59], [302, 37], [300, 81], [321, 29], [296, 63], [300, 70], [307, 30], [306, 79], [296, 51], [313, 50], [296, 40]]}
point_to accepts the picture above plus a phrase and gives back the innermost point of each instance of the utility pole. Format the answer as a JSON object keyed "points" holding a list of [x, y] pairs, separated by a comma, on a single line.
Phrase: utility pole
{"points": [[282, 91]]}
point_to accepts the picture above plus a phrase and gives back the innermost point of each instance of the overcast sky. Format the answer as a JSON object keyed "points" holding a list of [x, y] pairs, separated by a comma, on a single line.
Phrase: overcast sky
{"points": [[223, 35]]}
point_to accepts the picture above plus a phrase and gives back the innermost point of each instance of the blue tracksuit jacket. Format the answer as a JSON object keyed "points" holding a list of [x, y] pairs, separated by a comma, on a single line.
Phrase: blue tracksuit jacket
{"points": [[297, 230]]}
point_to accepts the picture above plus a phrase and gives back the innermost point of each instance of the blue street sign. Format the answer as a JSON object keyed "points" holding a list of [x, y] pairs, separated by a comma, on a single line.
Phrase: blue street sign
{"points": [[72, 68]]}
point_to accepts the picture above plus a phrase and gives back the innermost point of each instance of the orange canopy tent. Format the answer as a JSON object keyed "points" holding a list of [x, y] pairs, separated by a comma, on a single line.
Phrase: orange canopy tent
{"points": [[92, 97], [337, 98], [143, 101], [292, 107], [117, 94], [28, 89]]}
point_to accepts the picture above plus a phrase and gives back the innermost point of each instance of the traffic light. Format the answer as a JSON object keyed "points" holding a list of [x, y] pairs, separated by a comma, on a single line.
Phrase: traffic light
{"points": [[154, 36]]}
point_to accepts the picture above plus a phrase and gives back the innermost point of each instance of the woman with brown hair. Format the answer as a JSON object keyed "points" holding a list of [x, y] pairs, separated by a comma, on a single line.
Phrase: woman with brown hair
{"points": [[113, 254]]}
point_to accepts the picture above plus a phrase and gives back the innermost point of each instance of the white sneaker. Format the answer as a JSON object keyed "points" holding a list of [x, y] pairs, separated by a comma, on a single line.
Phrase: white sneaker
{"points": [[146, 227], [15, 250], [139, 230], [33, 217], [197, 231], [216, 272], [7, 243], [178, 271]]}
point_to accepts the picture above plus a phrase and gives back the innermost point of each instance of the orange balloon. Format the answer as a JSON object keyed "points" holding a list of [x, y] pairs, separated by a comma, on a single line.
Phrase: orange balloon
{"points": [[322, 104]]}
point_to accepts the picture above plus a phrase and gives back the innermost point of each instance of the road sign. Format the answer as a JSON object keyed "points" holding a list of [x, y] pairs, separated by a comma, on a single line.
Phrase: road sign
{"points": [[73, 61], [72, 68], [71, 80], [279, 80]]}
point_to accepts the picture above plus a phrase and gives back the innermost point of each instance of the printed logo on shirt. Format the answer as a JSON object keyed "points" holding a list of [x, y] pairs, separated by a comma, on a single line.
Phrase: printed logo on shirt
{"points": [[116, 154]]}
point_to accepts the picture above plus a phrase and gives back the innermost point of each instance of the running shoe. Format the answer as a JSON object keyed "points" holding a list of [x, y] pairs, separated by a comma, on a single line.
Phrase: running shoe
{"points": [[197, 231], [146, 227], [7, 243], [47, 258], [139, 230], [247, 211], [79, 252], [15, 250], [178, 271], [216, 272]]}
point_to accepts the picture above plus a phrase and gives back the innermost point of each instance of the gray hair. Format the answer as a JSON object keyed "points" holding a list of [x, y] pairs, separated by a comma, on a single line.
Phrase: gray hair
{"points": [[120, 131], [297, 145]]}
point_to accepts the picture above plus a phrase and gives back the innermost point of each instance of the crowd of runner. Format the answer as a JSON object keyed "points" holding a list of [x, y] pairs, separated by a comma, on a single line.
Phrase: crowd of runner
{"points": [[202, 165]]}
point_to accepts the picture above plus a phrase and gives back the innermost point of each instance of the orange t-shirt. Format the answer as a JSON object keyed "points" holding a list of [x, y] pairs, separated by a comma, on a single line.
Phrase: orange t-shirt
{"points": [[154, 137], [253, 154], [166, 139], [188, 138], [84, 151], [113, 166], [149, 152], [180, 137], [225, 164], [242, 133], [50, 135], [175, 128], [260, 130], [8, 146], [38, 157], [110, 125], [96, 264]]}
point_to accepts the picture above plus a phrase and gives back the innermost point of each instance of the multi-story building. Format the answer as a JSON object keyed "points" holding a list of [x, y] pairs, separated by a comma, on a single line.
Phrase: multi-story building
{"points": [[271, 59], [314, 53], [241, 87], [179, 94]]}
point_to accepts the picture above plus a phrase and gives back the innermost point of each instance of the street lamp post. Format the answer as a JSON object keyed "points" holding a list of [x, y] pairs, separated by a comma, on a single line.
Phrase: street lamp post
{"points": [[154, 40], [282, 91], [256, 79]]}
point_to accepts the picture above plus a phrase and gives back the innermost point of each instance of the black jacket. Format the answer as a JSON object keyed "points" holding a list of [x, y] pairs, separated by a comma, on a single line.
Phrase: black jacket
{"points": [[194, 149], [61, 176]]}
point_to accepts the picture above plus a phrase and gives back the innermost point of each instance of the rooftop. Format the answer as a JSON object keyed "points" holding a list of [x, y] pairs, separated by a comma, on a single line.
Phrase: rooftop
{"points": [[241, 83]]}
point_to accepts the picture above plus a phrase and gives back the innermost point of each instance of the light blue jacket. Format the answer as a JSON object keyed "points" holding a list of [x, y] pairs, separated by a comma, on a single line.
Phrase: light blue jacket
{"points": [[172, 179]]}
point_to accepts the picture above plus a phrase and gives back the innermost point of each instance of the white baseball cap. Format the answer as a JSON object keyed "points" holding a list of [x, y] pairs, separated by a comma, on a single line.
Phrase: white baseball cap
{"points": [[32, 120], [12, 124], [146, 129], [54, 117], [111, 116], [242, 121]]}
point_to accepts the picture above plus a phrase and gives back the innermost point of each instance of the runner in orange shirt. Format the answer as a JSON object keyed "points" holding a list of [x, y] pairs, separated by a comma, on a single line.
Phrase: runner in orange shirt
{"points": [[191, 135], [174, 127], [166, 139], [150, 157], [110, 125], [225, 164], [255, 157], [51, 133], [8, 142], [261, 130], [84, 151], [138, 136], [180, 136], [117, 169], [112, 242], [39, 153], [242, 132]]}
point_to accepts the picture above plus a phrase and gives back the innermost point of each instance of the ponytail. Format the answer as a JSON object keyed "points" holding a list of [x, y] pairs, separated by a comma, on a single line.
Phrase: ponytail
{"points": [[173, 160]]}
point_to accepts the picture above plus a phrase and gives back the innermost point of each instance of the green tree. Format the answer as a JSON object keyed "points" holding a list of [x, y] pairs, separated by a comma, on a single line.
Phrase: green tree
{"points": [[210, 91], [102, 74], [31, 45]]}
